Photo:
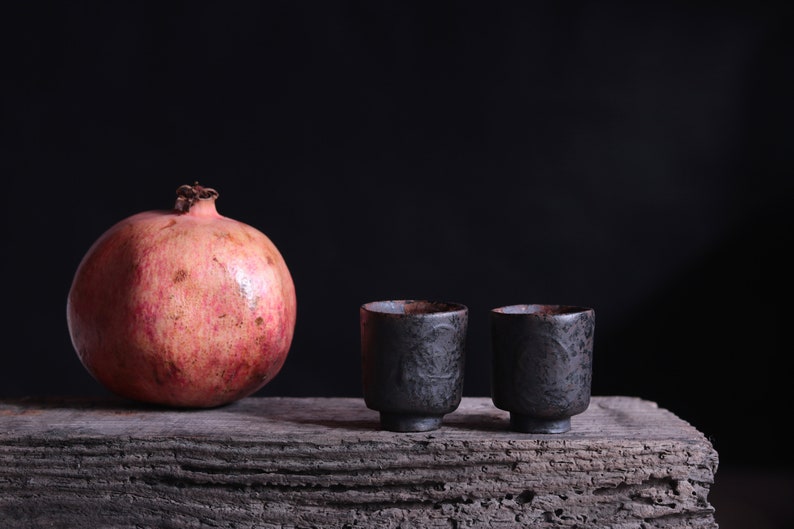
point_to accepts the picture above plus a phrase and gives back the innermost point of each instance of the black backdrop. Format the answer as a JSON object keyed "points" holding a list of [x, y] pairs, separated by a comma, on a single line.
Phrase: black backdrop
{"points": [[633, 157]]}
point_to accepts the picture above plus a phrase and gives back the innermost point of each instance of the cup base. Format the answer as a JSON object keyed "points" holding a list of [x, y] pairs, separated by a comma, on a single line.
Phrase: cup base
{"points": [[527, 424], [404, 422]]}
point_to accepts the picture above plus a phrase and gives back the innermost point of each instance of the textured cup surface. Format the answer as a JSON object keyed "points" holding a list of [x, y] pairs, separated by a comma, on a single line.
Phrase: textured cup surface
{"points": [[413, 358], [542, 364]]}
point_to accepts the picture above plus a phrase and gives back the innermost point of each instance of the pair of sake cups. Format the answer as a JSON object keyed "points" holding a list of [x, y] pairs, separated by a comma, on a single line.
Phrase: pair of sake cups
{"points": [[413, 359]]}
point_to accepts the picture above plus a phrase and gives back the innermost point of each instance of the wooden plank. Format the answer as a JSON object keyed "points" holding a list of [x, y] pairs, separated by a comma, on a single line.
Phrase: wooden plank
{"points": [[323, 462]]}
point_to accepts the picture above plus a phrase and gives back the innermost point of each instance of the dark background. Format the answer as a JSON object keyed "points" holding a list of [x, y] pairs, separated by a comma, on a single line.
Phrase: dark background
{"points": [[634, 157]]}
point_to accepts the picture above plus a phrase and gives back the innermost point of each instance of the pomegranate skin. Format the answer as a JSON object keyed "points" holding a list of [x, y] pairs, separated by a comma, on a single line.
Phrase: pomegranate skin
{"points": [[183, 309]]}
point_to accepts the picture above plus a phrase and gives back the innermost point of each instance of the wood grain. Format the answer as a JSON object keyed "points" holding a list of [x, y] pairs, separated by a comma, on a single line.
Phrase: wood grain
{"points": [[323, 462]]}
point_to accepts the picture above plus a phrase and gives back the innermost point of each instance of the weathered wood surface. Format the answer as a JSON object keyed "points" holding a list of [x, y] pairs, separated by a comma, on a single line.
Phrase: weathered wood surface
{"points": [[289, 462]]}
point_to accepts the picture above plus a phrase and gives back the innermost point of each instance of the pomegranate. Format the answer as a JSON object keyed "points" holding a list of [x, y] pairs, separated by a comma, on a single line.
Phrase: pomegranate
{"points": [[183, 308]]}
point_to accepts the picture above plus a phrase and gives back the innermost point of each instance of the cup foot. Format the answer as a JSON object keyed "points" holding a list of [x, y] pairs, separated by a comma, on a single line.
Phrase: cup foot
{"points": [[527, 424], [403, 422]]}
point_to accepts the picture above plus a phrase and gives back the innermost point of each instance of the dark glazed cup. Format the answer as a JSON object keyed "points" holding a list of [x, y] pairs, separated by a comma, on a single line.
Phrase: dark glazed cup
{"points": [[412, 355], [542, 364]]}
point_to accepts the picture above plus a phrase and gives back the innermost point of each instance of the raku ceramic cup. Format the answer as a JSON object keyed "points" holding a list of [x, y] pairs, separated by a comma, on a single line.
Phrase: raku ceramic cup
{"points": [[413, 357], [542, 364]]}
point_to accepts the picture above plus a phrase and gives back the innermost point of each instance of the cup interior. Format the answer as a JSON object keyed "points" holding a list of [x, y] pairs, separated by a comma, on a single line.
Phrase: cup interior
{"points": [[540, 309], [410, 306]]}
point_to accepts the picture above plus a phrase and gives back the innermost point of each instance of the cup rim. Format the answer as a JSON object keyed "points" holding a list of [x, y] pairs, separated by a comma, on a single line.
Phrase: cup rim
{"points": [[540, 309], [413, 307]]}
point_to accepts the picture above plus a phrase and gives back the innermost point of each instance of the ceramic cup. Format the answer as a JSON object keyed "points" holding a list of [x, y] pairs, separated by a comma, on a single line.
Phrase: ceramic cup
{"points": [[413, 356], [542, 364]]}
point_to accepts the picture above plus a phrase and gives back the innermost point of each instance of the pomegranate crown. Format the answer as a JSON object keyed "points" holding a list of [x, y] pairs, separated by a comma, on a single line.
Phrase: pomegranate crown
{"points": [[187, 195]]}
